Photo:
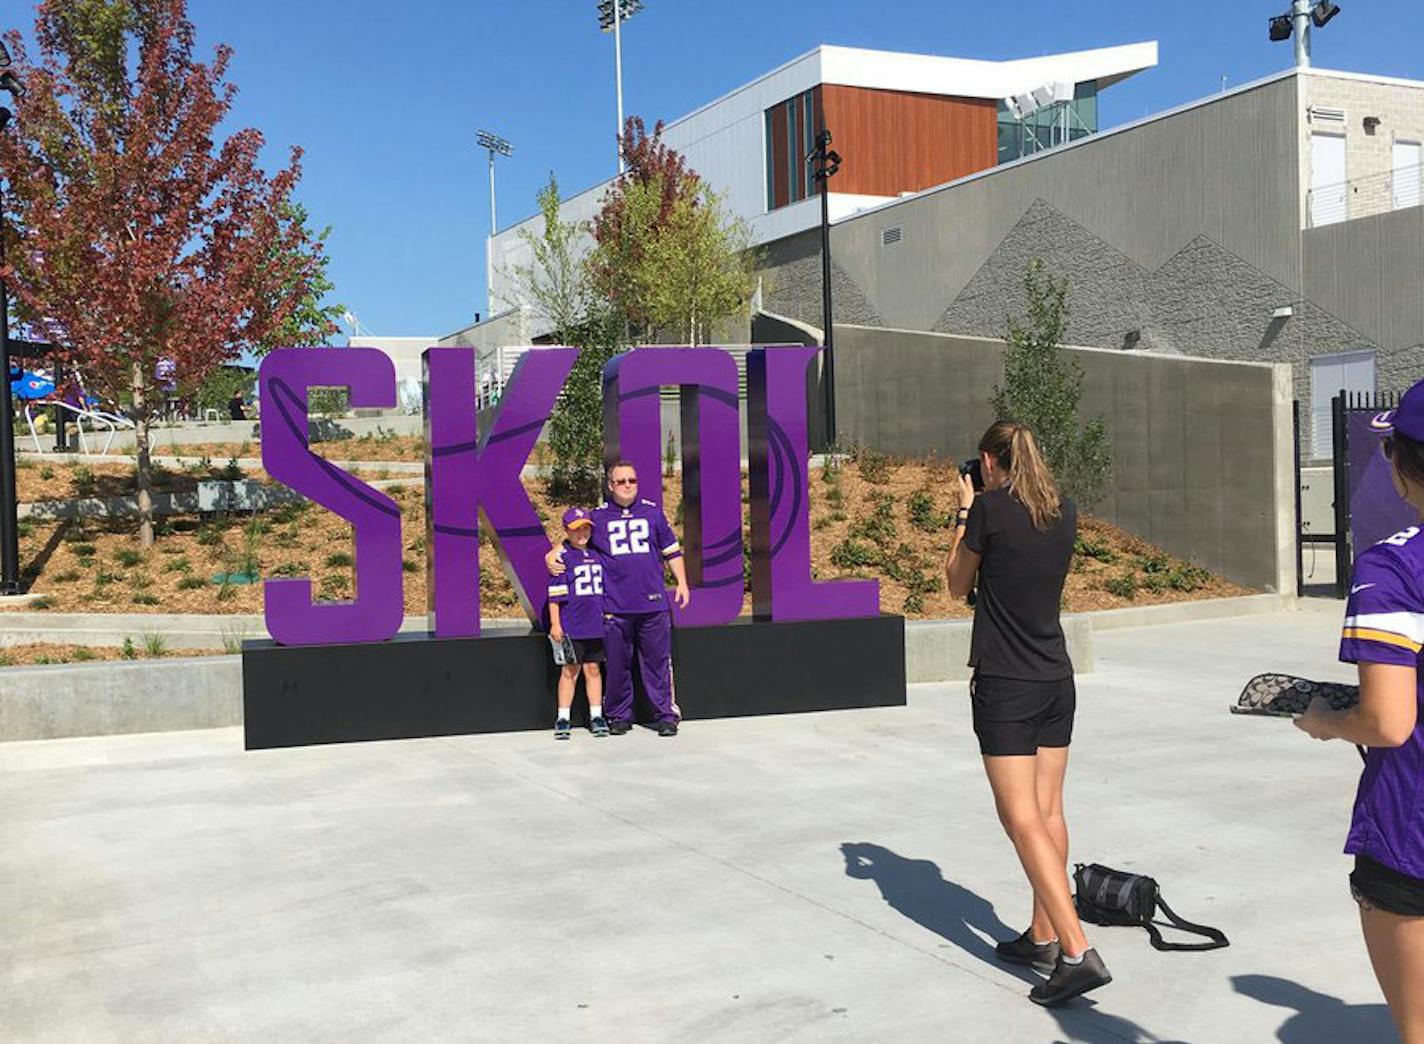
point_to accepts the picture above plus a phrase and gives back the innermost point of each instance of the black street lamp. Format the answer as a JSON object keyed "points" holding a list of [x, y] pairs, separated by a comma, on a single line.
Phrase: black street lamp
{"points": [[826, 162], [9, 523]]}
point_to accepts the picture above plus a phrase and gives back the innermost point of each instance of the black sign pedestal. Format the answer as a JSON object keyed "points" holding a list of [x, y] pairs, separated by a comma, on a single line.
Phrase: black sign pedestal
{"points": [[415, 685]]}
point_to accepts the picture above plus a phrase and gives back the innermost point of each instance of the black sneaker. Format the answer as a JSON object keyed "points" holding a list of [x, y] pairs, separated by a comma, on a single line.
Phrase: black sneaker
{"points": [[667, 728], [1023, 950], [599, 726], [1071, 980], [562, 729], [618, 728]]}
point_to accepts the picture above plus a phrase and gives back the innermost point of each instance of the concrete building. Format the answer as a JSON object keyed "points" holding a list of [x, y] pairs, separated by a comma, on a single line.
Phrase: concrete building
{"points": [[1278, 222], [902, 123]]}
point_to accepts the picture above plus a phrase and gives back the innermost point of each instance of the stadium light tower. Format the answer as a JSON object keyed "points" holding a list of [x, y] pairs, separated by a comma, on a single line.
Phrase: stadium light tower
{"points": [[1297, 22], [611, 16], [493, 144]]}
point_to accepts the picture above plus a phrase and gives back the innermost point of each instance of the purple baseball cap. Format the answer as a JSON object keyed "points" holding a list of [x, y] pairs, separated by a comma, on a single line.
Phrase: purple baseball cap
{"points": [[1407, 418], [577, 516]]}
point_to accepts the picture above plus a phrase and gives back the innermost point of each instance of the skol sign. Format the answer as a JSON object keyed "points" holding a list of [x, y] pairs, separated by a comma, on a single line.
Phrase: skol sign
{"points": [[467, 472]]}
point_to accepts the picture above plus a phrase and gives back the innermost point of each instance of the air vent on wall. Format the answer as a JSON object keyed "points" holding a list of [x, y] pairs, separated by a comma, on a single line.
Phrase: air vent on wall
{"points": [[1328, 117], [890, 236]]}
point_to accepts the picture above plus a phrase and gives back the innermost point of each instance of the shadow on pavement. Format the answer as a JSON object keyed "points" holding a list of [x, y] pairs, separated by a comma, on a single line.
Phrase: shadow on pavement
{"points": [[918, 890], [1319, 1018]]}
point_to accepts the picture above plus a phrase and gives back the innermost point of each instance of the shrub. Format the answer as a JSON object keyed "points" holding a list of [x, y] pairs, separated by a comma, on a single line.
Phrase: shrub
{"points": [[84, 550], [1124, 586], [875, 467], [922, 514], [46, 472], [144, 598], [1087, 547], [1188, 577], [177, 565], [83, 655], [128, 557], [127, 650], [41, 604], [338, 560], [208, 536], [67, 577], [850, 555], [154, 645], [293, 569], [191, 583], [1155, 562], [411, 566]]}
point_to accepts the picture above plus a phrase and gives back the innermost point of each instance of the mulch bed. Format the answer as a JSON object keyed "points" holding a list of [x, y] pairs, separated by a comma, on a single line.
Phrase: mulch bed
{"points": [[871, 517]]}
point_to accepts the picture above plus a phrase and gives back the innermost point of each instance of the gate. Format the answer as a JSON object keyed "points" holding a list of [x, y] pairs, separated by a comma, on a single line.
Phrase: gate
{"points": [[1366, 506]]}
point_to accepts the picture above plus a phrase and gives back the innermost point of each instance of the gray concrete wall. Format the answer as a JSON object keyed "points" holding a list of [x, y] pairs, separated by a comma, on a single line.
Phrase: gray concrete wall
{"points": [[1202, 456], [1181, 234]]}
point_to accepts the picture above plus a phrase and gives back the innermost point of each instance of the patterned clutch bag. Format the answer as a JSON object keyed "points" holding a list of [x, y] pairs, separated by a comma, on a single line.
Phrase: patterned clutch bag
{"points": [[1286, 696]]}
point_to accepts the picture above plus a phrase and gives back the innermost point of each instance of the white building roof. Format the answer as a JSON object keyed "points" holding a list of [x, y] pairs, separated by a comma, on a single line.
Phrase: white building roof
{"points": [[724, 140]]}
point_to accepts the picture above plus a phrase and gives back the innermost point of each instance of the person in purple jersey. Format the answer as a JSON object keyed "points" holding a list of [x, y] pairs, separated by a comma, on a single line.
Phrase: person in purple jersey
{"points": [[576, 623], [636, 543], [1384, 635]]}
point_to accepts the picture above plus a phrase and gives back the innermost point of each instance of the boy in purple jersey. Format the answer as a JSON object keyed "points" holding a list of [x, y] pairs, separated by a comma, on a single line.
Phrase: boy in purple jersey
{"points": [[1384, 635], [635, 542], [576, 614]]}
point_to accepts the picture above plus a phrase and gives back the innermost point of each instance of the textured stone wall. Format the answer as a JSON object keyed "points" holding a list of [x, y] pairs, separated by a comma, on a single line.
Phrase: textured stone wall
{"points": [[790, 276], [1202, 301]]}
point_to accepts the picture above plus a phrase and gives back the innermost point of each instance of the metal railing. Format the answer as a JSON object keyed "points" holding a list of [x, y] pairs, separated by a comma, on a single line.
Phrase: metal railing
{"points": [[1364, 196]]}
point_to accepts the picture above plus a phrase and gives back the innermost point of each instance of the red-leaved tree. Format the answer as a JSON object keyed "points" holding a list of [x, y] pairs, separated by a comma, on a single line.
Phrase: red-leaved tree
{"points": [[136, 236], [635, 209]]}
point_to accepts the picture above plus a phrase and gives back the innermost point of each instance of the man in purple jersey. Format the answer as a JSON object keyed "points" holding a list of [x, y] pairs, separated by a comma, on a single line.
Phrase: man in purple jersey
{"points": [[1384, 635], [635, 543]]}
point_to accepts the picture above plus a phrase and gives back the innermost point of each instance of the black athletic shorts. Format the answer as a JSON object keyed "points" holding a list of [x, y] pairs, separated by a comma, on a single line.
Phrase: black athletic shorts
{"points": [[1015, 717], [588, 650], [1375, 885]]}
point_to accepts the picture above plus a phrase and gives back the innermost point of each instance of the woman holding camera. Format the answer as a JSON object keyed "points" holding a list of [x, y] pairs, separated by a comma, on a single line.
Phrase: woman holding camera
{"points": [[1015, 539], [1384, 634]]}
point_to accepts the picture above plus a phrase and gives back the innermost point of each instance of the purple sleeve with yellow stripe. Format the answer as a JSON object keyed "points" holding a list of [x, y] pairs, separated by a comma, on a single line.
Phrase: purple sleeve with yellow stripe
{"points": [[1384, 619], [559, 585], [668, 546]]}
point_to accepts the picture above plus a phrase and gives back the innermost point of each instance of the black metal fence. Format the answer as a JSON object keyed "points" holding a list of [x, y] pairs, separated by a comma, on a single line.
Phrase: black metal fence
{"points": [[1341, 406]]}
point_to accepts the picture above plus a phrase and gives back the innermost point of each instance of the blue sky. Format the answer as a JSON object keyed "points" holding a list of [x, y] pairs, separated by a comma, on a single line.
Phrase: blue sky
{"points": [[386, 97]]}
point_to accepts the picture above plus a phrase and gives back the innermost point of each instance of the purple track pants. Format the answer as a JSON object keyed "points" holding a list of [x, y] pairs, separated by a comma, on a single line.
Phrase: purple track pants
{"points": [[650, 634]]}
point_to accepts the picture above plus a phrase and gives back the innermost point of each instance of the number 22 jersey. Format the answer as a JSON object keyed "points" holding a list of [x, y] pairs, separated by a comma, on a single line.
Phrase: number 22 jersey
{"points": [[578, 591], [633, 543]]}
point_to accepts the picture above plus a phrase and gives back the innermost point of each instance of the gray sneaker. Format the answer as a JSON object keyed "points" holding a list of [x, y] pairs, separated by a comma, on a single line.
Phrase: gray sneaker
{"points": [[599, 726], [1071, 980], [562, 729], [1040, 957]]}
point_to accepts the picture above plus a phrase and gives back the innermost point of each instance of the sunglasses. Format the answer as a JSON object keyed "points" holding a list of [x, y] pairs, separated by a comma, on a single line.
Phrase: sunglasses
{"points": [[624, 482]]}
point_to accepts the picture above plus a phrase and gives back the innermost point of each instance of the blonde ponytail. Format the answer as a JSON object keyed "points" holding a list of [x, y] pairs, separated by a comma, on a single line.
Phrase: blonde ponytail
{"points": [[1016, 450]]}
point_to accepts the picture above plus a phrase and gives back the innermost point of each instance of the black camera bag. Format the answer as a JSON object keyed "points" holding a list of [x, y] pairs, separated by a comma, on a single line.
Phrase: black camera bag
{"points": [[1112, 897]]}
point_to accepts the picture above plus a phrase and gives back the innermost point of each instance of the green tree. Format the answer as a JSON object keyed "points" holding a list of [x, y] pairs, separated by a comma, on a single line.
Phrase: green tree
{"points": [[575, 432], [555, 281], [311, 322], [1043, 388], [698, 267]]}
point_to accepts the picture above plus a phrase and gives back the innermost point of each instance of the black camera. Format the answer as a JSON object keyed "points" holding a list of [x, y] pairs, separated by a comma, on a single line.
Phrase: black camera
{"points": [[975, 470]]}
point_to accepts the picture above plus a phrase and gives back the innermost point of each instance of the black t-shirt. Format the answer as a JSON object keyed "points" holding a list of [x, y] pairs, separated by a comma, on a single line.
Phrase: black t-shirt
{"points": [[1017, 632]]}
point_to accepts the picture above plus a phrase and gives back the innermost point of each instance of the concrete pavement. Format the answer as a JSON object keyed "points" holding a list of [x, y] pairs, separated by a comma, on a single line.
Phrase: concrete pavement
{"points": [[824, 877]]}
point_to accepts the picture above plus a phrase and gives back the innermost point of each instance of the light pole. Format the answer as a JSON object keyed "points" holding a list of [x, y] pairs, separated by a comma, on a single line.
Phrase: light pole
{"points": [[493, 144], [9, 523], [611, 16], [1297, 22], [827, 161]]}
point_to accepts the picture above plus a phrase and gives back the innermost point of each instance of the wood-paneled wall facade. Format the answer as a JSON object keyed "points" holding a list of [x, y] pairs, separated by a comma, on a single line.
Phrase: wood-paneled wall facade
{"points": [[889, 141]]}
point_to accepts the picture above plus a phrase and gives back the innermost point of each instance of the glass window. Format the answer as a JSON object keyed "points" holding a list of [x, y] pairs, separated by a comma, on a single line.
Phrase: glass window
{"points": [[793, 171], [1049, 126]]}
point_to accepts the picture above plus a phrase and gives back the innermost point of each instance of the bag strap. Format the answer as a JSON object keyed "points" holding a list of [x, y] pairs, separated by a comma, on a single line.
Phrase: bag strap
{"points": [[1216, 936]]}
